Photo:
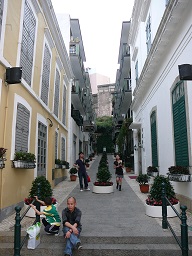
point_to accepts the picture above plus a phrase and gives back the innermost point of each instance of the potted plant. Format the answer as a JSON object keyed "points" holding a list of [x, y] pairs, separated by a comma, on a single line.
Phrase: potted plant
{"points": [[2, 158], [154, 200], [73, 174], [40, 187], [152, 171], [64, 164], [58, 163], [24, 160], [179, 174], [128, 166], [143, 180], [103, 183]]}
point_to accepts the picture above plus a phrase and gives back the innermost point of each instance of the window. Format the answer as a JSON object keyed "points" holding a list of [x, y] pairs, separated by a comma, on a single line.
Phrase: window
{"points": [[22, 128], [42, 149], [56, 145], [63, 149], [1, 13], [64, 106], [45, 75], [148, 34], [27, 44], [56, 99], [166, 2]]}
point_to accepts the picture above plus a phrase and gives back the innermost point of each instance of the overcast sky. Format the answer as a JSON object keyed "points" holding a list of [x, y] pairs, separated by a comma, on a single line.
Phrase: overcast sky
{"points": [[100, 23]]}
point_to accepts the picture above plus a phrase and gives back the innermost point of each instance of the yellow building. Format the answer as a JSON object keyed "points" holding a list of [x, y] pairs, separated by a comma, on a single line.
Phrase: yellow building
{"points": [[34, 110]]}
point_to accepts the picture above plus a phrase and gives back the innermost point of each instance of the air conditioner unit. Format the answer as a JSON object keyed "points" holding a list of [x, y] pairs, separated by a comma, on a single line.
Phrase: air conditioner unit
{"points": [[185, 72], [13, 75]]}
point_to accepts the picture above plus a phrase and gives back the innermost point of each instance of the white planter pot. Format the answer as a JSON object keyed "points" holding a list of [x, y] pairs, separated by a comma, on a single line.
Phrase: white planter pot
{"points": [[156, 211], [180, 177], [102, 189], [31, 212]]}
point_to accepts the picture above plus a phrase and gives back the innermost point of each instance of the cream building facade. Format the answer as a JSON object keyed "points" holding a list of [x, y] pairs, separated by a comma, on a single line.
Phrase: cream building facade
{"points": [[35, 113]]}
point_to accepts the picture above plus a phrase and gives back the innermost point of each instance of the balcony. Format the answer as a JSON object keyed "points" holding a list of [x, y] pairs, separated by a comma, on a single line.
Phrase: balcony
{"points": [[77, 117], [126, 96], [77, 97], [77, 62]]}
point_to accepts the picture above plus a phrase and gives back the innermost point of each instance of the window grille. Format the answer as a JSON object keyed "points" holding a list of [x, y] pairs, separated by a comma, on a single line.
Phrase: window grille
{"points": [[148, 34], [63, 149], [56, 145], [42, 149]]}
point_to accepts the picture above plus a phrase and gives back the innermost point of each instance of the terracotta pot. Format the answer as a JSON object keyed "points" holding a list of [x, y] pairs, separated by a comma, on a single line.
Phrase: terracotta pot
{"points": [[73, 177], [144, 188], [128, 169]]}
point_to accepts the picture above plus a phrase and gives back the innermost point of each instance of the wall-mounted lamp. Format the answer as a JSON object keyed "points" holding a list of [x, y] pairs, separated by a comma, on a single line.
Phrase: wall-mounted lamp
{"points": [[13, 75], [135, 148], [140, 145], [51, 123]]}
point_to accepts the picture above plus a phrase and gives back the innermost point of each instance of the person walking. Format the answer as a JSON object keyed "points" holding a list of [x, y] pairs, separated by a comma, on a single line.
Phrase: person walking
{"points": [[52, 220], [118, 166], [82, 173], [71, 217]]}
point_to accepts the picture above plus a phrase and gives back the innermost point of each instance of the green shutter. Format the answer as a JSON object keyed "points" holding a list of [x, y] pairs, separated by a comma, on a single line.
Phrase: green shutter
{"points": [[180, 126], [154, 139]]}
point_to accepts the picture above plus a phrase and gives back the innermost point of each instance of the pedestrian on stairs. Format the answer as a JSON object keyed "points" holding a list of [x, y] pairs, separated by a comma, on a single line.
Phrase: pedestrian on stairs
{"points": [[118, 166], [71, 217]]}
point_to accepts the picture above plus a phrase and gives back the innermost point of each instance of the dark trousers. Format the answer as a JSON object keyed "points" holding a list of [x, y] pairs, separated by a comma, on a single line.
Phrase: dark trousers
{"points": [[52, 229], [83, 176]]}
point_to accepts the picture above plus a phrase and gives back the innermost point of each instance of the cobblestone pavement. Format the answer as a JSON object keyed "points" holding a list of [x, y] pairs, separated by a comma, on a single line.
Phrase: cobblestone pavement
{"points": [[63, 189]]}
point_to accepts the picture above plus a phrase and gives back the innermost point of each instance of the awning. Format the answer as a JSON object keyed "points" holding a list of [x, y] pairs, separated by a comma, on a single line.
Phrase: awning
{"points": [[135, 125]]}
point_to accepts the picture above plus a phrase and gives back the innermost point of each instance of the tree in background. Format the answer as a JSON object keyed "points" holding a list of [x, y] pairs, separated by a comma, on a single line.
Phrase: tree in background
{"points": [[104, 129]]}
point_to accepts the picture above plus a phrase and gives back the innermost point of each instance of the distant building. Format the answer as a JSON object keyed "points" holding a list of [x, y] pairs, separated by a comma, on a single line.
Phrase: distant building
{"points": [[102, 102], [98, 79]]}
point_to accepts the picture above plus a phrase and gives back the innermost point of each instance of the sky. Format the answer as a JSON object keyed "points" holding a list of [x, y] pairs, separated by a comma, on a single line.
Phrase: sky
{"points": [[100, 24]]}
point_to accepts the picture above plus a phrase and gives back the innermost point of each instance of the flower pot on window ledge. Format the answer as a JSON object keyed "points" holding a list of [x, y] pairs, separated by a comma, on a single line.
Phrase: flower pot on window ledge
{"points": [[2, 165], [179, 174], [2, 157], [20, 164], [24, 160]]}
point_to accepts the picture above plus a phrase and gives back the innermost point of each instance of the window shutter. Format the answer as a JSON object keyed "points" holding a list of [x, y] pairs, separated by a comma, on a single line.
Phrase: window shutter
{"points": [[64, 106], [63, 149], [56, 100], [27, 44], [1, 14], [180, 126], [22, 128], [45, 75], [154, 139]]}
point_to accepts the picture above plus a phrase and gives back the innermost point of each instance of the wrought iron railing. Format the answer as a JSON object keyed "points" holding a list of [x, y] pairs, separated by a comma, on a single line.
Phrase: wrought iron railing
{"points": [[183, 242], [18, 243]]}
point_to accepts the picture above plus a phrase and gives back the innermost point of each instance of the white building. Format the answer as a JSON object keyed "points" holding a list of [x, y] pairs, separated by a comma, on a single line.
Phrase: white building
{"points": [[161, 39]]}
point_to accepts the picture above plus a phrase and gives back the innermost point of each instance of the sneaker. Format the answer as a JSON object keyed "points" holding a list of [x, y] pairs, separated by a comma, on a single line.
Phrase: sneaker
{"points": [[87, 189], [78, 246], [81, 189], [57, 233]]}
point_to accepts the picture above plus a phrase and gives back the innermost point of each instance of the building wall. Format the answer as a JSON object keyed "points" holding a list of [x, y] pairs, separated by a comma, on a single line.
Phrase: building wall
{"points": [[16, 183], [105, 99], [98, 79], [156, 92]]}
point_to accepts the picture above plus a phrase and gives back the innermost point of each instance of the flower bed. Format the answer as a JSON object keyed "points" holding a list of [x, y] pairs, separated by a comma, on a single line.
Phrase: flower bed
{"points": [[97, 183]]}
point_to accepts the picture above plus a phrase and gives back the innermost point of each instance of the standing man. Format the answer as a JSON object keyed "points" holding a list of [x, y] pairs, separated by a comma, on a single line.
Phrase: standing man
{"points": [[80, 164]]}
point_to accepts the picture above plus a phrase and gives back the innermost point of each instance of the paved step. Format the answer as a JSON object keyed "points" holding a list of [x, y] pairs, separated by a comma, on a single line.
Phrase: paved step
{"points": [[99, 250], [98, 246]]}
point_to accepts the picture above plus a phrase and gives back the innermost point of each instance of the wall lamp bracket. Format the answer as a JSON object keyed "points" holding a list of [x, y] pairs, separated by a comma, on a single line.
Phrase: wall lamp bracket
{"points": [[51, 123]]}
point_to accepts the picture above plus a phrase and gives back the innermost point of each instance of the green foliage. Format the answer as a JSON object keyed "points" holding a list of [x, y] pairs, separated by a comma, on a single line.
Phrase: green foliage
{"points": [[2, 152], [104, 128], [25, 156], [156, 189], [123, 134], [103, 174], [45, 188], [178, 170], [73, 170], [142, 178]]}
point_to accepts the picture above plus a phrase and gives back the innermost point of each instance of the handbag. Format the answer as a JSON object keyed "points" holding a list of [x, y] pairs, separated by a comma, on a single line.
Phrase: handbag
{"points": [[88, 178]]}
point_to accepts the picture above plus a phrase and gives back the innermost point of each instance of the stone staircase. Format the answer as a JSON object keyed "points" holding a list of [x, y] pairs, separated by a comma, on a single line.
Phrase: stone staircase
{"points": [[98, 246]]}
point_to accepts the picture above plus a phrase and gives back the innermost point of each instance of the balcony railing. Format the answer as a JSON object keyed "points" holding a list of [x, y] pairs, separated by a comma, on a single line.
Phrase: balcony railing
{"points": [[127, 84]]}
